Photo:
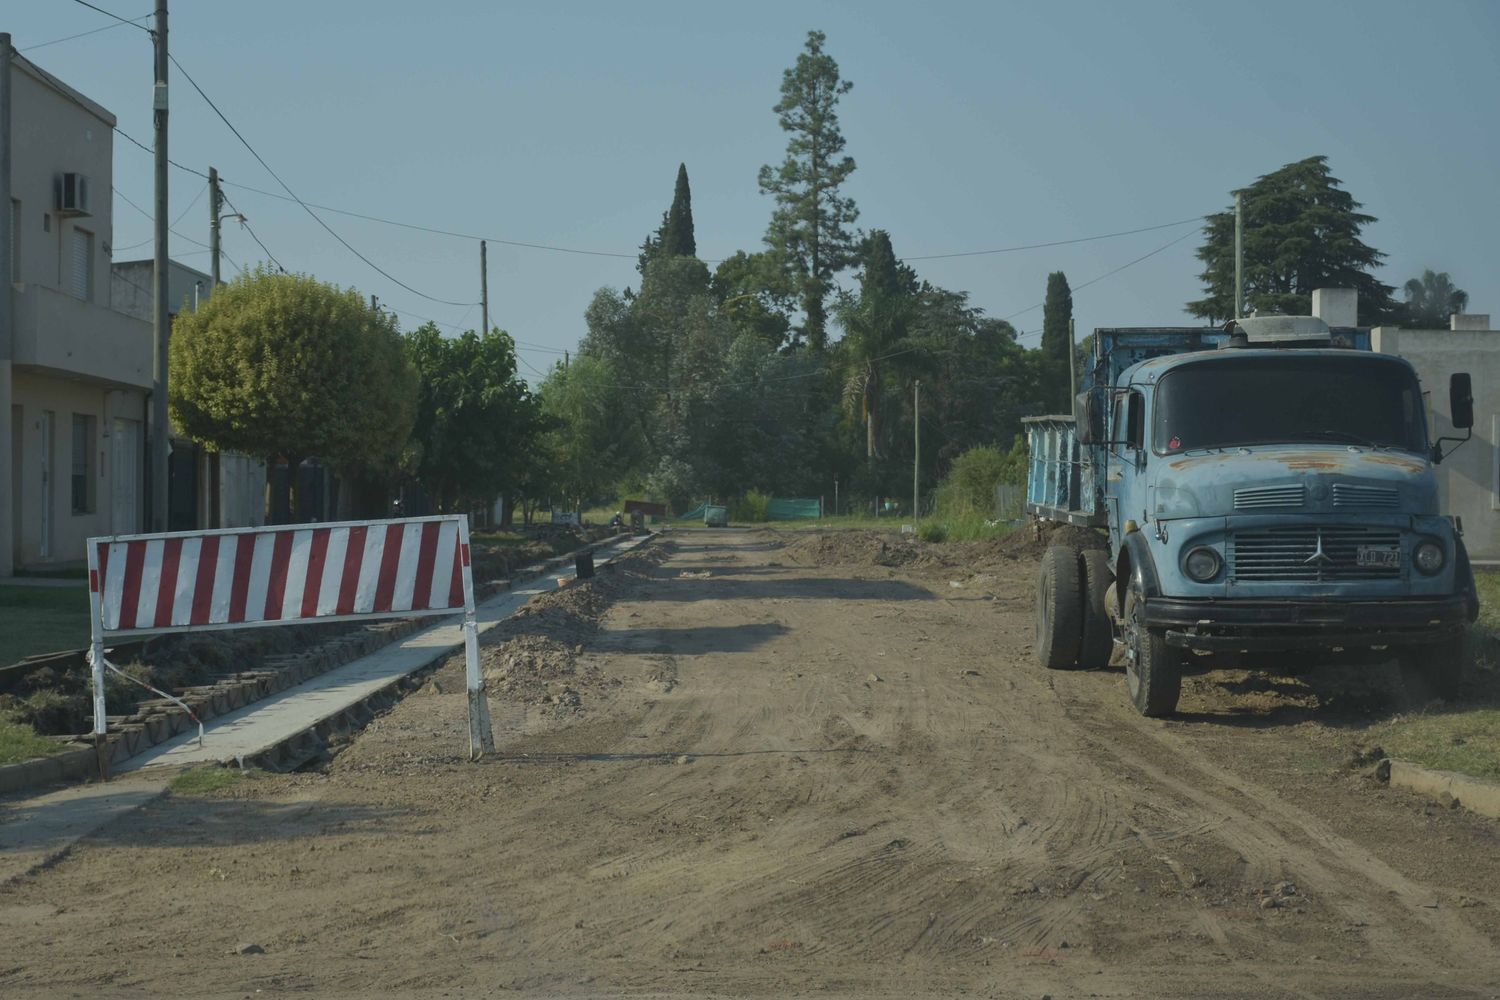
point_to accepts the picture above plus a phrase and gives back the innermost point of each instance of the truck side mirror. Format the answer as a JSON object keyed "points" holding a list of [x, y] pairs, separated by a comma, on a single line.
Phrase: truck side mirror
{"points": [[1090, 419], [1461, 400]]}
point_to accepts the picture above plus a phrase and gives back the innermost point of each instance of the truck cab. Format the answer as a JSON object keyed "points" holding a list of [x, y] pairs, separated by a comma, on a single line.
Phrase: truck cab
{"points": [[1262, 494]]}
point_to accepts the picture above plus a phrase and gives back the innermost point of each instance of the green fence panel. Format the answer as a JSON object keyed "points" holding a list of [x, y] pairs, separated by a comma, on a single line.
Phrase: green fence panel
{"points": [[791, 509]]}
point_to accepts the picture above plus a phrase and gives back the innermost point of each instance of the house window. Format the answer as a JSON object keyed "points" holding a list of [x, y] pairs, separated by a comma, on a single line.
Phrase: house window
{"points": [[83, 467], [82, 284]]}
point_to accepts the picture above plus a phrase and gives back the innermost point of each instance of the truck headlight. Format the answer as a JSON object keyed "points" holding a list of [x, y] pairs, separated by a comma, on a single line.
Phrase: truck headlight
{"points": [[1429, 557], [1202, 564]]}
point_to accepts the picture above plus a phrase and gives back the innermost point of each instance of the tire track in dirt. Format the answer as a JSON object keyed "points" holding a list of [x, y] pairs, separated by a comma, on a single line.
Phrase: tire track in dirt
{"points": [[1394, 912]]}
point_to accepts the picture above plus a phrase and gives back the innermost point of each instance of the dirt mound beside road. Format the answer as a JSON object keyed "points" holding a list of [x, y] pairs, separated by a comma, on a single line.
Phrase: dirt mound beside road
{"points": [[535, 657]]}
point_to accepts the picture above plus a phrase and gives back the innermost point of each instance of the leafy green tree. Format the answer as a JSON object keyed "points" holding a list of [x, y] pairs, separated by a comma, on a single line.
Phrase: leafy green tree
{"points": [[1301, 232], [1431, 299], [589, 443], [875, 324], [475, 417], [1057, 317], [283, 365], [810, 226], [755, 295]]}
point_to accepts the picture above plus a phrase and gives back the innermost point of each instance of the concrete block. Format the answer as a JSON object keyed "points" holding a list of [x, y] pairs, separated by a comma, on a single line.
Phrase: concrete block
{"points": [[1336, 306], [1474, 794]]}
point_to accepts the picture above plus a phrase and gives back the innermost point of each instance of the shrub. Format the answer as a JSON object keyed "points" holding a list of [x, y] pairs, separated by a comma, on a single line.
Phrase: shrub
{"points": [[753, 507], [932, 531]]}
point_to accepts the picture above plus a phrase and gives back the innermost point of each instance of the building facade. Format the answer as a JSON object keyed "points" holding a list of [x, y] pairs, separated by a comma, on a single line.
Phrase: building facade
{"points": [[76, 344], [1469, 478], [75, 374]]}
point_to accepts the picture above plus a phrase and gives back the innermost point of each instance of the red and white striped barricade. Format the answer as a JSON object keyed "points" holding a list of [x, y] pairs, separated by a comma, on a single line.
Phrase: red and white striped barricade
{"points": [[196, 581]]}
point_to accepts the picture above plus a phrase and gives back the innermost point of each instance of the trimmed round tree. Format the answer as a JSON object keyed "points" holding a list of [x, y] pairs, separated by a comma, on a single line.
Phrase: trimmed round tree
{"points": [[282, 365]]}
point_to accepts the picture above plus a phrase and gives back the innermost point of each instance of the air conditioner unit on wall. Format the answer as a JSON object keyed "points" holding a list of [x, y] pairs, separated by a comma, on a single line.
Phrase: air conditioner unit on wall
{"points": [[71, 194]]}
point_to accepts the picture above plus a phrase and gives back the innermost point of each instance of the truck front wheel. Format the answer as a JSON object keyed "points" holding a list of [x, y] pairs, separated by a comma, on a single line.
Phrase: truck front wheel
{"points": [[1153, 669], [1059, 610]]}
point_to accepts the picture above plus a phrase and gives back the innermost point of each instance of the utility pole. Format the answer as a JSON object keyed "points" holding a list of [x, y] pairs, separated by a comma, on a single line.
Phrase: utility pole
{"points": [[484, 289], [8, 269], [916, 462], [1239, 254], [215, 202], [160, 433], [374, 303]]}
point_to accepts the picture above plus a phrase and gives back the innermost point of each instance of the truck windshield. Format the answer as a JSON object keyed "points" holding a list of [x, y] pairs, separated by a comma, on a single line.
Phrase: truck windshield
{"points": [[1244, 401]]}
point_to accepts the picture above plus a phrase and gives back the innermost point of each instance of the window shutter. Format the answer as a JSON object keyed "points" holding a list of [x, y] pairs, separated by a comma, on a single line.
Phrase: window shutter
{"points": [[83, 260]]}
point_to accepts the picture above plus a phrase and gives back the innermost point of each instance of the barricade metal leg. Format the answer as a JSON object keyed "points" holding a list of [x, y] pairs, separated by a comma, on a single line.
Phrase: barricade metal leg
{"points": [[481, 731]]}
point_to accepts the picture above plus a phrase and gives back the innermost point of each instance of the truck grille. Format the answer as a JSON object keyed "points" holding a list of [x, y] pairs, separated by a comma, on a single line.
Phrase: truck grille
{"points": [[1288, 553], [1369, 497], [1260, 497]]}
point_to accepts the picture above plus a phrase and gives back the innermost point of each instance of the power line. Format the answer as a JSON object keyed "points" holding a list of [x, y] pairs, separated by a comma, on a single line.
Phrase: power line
{"points": [[246, 224], [117, 17], [125, 198], [1057, 243], [316, 218], [1108, 274], [91, 31], [456, 234]]}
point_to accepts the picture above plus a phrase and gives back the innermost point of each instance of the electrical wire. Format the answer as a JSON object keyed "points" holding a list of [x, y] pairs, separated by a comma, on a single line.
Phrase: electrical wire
{"points": [[117, 17], [1057, 243], [316, 218], [1109, 274], [91, 31], [456, 234], [246, 224]]}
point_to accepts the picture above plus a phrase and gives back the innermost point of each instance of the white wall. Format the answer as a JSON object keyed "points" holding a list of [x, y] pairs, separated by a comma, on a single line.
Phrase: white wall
{"points": [[1467, 480]]}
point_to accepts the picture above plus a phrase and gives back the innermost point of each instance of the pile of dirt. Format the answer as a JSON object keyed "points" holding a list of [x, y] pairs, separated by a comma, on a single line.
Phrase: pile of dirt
{"points": [[536, 656], [863, 548], [874, 548]]}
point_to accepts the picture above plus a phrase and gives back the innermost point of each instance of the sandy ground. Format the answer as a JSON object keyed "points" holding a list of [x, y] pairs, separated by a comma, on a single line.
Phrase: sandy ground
{"points": [[751, 764]]}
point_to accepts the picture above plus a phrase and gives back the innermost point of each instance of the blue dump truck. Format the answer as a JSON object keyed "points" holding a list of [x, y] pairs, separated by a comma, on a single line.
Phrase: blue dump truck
{"points": [[1258, 496]]}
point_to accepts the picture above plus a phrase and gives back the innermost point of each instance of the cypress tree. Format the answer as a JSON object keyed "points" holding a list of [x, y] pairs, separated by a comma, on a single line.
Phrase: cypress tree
{"points": [[677, 234], [1057, 314]]}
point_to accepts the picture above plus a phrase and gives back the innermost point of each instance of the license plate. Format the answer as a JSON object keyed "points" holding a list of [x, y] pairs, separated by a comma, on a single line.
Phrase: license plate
{"points": [[1370, 555]]}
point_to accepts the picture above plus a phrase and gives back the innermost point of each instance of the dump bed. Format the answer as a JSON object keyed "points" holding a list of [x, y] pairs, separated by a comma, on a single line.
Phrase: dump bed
{"points": [[1060, 480]]}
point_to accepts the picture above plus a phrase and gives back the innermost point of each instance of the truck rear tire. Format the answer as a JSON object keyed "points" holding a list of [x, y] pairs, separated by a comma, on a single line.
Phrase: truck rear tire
{"points": [[1098, 642], [1059, 609], [1437, 669], [1153, 669]]}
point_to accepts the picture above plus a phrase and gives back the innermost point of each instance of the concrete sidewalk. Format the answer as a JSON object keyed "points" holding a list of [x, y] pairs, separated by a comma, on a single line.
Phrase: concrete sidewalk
{"points": [[36, 832]]}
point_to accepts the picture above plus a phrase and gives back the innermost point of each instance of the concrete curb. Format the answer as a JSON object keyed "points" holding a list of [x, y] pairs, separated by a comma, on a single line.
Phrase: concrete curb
{"points": [[161, 720], [291, 753], [1474, 794]]}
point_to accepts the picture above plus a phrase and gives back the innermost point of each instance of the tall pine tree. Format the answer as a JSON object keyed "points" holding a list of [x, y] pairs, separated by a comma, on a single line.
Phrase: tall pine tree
{"points": [[810, 227], [1301, 232], [1057, 314]]}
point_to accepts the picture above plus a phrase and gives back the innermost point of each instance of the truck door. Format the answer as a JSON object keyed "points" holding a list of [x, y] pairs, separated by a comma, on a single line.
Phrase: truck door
{"points": [[1128, 463]]}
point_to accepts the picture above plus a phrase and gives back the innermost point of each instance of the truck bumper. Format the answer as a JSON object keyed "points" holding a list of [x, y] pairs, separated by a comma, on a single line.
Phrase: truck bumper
{"points": [[1310, 625]]}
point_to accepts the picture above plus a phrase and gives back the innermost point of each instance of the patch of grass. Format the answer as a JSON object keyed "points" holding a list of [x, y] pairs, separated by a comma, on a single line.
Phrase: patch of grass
{"points": [[965, 528], [208, 779], [932, 531], [1487, 582], [1465, 741], [18, 741], [42, 620]]}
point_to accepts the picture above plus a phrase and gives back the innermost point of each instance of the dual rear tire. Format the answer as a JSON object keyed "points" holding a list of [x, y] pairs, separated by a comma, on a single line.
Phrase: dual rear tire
{"points": [[1073, 625], [1074, 629]]}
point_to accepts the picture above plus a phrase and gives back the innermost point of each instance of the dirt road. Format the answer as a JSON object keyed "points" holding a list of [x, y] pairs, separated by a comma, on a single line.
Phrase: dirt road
{"points": [[757, 764]]}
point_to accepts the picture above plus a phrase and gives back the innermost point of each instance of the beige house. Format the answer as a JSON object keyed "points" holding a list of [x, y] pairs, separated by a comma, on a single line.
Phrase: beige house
{"points": [[76, 344], [74, 373]]}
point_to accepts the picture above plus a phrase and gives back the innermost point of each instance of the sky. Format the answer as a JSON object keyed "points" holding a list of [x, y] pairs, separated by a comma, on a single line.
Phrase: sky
{"points": [[975, 126]]}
